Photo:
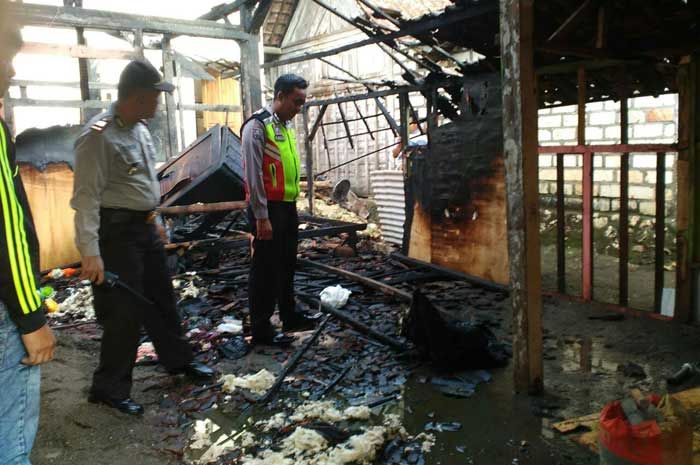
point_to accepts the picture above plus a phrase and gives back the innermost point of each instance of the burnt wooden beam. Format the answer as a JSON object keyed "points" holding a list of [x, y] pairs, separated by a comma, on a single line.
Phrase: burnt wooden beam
{"points": [[294, 361], [573, 20], [325, 146], [387, 116], [520, 153], [71, 17], [223, 10], [403, 113], [259, 16], [588, 65], [317, 123], [450, 273], [345, 124], [380, 12], [362, 118], [416, 28], [182, 210], [354, 323], [378, 285]]}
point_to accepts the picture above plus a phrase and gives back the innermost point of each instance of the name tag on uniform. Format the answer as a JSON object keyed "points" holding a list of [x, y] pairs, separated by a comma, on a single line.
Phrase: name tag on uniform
{"points": [[278, 133]]}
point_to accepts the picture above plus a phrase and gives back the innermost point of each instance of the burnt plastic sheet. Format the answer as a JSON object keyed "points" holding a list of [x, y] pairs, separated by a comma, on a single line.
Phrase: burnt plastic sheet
{"points": [[43, 147], [451, 345]]}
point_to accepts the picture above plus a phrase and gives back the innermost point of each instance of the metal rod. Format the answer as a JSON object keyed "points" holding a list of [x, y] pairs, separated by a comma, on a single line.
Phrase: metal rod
{"points": [[624, 209], [561, 226], [612, 148], [587, 233], [659, 230], [361, 134], [361, 157]]}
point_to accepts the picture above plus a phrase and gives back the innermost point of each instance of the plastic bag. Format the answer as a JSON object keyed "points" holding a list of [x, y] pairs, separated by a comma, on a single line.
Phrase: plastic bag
{"points": [[230, 326], [668, 442], [335, 296]]}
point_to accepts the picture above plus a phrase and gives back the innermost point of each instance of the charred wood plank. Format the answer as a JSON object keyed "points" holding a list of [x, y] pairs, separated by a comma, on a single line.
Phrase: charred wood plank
{"points": [[378, 285], [354, 323], [451, 273], [202, 208], [294, 361]]}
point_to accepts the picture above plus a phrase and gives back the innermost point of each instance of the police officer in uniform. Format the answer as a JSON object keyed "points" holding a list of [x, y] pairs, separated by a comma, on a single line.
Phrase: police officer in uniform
{"points": [[114, 197], [272, 171]]}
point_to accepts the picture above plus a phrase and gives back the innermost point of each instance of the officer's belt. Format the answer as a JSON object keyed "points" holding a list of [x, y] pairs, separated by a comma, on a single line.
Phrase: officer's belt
{"points": [[123, 216]]}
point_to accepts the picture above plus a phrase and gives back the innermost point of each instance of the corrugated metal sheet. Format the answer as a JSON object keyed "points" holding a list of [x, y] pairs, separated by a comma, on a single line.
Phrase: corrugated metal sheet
{"points": [[388, 192]]}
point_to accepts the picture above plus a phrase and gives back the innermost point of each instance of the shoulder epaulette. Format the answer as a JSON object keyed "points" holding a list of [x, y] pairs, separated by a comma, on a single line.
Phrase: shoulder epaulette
{"points": [[101, 124]]}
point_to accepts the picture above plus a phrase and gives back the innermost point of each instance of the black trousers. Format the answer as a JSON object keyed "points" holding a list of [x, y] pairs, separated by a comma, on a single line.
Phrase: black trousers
{"points": [[132, 249], [271, 279]]}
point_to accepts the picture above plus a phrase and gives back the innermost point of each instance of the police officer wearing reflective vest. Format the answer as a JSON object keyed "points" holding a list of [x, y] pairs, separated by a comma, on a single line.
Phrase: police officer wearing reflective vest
{"points": [[115, 195], [272, 171], [25, 338]]}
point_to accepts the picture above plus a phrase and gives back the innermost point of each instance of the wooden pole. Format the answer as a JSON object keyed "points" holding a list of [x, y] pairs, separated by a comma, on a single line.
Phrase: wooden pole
{"points": [[520, 152], [170, 108], [308, 147], [203, 208], [686, 166], [251, 88]]}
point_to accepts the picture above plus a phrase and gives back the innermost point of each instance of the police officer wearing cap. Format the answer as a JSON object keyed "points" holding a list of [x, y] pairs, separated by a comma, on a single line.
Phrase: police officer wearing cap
{"points": [[115, 193]]}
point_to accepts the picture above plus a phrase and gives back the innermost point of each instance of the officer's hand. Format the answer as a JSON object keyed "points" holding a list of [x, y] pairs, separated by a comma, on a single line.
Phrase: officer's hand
{"points": [[264, 230], [93, 269], [162, 234], [40, 346]]}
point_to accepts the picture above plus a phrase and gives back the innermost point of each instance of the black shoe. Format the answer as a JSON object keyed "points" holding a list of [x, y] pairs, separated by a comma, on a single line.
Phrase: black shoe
{"points": [[198, 371], [299, 322], [127, 405], [278, 340]]}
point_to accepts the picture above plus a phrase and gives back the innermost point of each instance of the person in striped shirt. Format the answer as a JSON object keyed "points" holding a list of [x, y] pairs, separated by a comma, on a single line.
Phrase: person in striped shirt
{"points": [[25, 339]]}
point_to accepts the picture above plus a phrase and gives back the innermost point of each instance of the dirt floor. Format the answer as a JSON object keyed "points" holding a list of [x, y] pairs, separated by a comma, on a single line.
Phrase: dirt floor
{"points": [[581, 374]]}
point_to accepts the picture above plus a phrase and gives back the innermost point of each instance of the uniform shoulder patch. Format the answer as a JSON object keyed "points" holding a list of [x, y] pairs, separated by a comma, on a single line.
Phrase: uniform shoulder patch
{"points": [[101, 124]]}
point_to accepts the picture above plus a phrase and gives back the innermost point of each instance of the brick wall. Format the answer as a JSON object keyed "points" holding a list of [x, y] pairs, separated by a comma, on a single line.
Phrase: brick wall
{"points": [[651, 120]]}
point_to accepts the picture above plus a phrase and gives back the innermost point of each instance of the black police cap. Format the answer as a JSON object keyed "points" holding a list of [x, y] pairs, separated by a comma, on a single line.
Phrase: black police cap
{"points": [[140, 74]]}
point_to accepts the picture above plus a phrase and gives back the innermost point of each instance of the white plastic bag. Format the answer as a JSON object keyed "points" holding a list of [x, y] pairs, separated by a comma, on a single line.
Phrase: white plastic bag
{"points": [[335, 296], [230, 326]]}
